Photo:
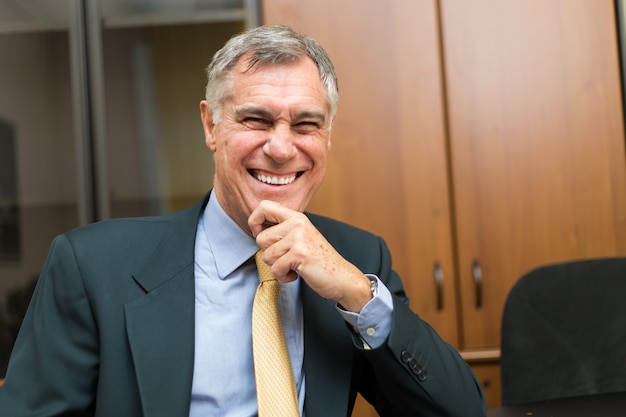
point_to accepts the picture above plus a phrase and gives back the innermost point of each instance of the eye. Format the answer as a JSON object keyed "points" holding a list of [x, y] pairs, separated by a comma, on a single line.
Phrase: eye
{"points": [[306, 126], [256, 123]]}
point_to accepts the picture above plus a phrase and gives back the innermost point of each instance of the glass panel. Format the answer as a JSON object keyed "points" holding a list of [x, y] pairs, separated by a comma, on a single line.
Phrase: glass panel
{"points": [[154, 55], [37, 160]]}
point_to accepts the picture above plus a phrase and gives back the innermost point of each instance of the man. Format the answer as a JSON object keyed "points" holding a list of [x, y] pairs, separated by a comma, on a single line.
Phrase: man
{"points": [[152, 316]]}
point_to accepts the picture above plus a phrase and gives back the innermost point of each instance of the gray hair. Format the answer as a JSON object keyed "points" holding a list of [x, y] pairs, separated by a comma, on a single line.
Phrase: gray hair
{"points": [[267, 45]]}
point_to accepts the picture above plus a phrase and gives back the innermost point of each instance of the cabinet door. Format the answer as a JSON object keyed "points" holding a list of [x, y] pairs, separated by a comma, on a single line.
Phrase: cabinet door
{"points": [[537, 143], [388, 168], [488, 375]]}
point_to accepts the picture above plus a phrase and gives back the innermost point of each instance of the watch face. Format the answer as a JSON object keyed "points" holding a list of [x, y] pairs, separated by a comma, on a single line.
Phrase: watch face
{"points": [[374, 287]]}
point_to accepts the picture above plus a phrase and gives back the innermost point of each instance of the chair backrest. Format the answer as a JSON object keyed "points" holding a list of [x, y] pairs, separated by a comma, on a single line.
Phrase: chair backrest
{"points": [[564, 332]]}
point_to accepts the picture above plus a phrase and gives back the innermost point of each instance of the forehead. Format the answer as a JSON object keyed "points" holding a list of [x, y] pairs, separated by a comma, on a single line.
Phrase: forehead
{"points": [[299, 82]]}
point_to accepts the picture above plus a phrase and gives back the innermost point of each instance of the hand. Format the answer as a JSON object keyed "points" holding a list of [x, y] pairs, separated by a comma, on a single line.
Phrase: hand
{"points": [[292, 245]]}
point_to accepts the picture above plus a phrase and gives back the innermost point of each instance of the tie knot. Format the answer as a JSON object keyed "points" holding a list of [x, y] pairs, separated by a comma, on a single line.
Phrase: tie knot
{"points": [[265, 272]]}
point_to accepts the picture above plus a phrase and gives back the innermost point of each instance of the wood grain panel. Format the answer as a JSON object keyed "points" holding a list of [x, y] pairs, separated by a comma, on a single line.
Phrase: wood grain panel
{"points": [[537, 142]]}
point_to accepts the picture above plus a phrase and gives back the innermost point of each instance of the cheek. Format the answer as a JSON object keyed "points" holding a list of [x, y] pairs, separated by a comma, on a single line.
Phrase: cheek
{"points": [[234, 146], [317, 150]]}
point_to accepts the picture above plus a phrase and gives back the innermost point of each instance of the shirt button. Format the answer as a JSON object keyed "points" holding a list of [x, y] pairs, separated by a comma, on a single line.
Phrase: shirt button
{"points": [[370, 331]]}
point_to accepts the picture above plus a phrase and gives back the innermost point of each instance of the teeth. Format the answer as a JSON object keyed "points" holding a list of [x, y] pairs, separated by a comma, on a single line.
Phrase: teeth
{"points": [[275, 180]]}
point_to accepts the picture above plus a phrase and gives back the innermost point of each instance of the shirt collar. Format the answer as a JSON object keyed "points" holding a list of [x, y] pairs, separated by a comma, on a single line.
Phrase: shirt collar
{"points": [[231, 246]]}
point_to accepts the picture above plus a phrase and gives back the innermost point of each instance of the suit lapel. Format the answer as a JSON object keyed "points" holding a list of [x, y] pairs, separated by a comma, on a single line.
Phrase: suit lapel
{"points": [[327, 357], [160, 329], [160, 325]]}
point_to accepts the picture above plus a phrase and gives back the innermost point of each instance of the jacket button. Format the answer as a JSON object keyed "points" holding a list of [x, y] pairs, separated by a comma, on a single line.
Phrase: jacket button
{"points": [[417, 370], [413, 365], [421, 375]]}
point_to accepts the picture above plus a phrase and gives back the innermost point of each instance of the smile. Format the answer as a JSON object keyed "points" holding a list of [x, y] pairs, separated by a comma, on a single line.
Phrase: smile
{"points": [[275, 180]]}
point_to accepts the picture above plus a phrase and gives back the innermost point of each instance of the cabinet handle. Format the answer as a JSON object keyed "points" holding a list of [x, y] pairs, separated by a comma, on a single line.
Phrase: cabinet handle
{"points": [[478, 281], [438, 274]]}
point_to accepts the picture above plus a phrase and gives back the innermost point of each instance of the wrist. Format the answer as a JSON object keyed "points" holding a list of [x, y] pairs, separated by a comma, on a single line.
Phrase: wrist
{"points": [[359, 294]]}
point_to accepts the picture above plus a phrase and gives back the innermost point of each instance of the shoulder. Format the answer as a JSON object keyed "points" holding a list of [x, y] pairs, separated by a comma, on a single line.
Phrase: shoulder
{"points": [[134, 227], [125, 238]]}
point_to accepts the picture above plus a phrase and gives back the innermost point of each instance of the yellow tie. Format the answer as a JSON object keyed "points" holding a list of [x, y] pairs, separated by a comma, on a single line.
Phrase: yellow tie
{"points": [[275, 383]]}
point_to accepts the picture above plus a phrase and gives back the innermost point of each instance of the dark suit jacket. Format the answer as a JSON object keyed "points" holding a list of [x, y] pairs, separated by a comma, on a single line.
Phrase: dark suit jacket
{"points": [[110, 332]]}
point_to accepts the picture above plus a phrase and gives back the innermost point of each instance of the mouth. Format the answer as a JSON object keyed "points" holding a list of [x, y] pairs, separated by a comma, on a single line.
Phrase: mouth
{"points": [[276, 179]]}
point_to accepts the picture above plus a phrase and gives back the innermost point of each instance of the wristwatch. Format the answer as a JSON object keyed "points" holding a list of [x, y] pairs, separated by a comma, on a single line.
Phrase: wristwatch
{"points": [[373, 286]]}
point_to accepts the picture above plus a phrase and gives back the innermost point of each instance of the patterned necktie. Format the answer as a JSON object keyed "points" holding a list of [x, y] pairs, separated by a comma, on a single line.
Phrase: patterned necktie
{"points": [[275, 383]]}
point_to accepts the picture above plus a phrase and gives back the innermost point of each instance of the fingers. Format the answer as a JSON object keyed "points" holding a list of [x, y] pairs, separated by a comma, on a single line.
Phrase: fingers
{"points": [[267, 214], [278, 231]]}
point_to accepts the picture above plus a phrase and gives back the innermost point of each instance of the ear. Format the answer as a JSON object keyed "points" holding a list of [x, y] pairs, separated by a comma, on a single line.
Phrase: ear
{"points": [[207, 124]]}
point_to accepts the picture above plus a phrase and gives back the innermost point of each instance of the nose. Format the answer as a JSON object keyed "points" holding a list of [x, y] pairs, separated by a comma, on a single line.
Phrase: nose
{"points": [[280, 145]]}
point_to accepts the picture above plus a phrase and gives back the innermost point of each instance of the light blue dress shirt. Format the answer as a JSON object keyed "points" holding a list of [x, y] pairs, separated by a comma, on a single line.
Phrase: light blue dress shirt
{"points": [[225, 284]]}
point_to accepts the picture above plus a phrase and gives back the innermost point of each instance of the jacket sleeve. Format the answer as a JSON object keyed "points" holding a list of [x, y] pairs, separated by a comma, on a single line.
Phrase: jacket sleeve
{"points": [[53, 367], [415, 373]]}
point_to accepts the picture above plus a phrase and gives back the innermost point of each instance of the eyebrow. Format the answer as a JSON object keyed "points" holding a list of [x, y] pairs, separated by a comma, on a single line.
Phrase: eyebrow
{"points": [[251, 110], [310, 115]]}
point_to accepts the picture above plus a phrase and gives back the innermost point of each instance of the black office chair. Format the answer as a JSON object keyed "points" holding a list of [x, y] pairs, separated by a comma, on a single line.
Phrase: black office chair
{"points": [[564, 332]]}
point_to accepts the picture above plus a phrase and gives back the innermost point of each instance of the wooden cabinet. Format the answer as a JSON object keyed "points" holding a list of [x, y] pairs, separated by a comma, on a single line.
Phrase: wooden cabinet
{"points": [[488, 374], [536, 143], [482, 138]]}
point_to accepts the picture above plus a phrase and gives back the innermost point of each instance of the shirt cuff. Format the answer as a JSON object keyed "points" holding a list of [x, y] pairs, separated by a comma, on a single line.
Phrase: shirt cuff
{"points": [[373, 323]]}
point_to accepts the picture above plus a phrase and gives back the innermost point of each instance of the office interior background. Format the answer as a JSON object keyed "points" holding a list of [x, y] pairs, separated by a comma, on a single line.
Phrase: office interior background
{"points": [[480, 138], [99, 117]]}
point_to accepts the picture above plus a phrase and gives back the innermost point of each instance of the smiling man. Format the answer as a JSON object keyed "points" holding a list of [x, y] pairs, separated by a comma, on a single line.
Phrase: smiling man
{"points": [[157, 316]]}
